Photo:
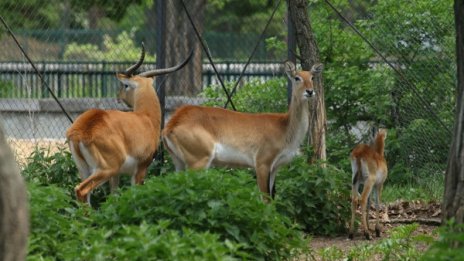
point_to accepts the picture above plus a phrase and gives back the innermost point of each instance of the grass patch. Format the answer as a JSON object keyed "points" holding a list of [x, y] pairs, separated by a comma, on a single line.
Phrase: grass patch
{"points": [[427, 189]]}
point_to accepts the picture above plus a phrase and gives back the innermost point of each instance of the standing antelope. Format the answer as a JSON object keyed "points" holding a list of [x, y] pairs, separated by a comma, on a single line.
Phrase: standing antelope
{"points": [[199, 137], [107, 143], [369, 168]]}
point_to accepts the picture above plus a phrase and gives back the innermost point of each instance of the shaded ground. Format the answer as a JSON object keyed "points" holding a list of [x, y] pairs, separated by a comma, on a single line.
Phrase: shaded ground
{"points": [[427, 215]]}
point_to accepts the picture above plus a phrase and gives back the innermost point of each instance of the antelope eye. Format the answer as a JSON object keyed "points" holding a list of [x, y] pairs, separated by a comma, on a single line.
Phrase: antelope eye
{"points": [[312, 78], [126, 86], [297, 78]]}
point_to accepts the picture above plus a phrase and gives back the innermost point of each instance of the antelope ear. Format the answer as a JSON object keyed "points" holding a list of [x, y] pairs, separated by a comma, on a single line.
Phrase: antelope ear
{"points": [[290, 69], [317, 68], [121, 76], [384, 132]]}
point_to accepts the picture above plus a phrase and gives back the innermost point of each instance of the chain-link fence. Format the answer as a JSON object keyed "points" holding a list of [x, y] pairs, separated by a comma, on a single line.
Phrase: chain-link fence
{"points": [[403, 73], [78, 46]]}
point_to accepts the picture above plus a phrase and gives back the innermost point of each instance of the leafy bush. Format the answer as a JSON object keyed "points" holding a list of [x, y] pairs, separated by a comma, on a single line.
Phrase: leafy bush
{"points": [[218, 201], [420, 152], [450, 244], [45, 168], [416, 154], [54, 220], [111, 50], [339, 146], [161, 165], [155, 242], [254, 96], [62, 231], [317, 198]]}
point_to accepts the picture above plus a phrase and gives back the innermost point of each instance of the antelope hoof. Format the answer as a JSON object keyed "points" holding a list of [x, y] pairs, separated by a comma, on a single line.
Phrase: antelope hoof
{"points": [[79, 196], [377, 232]]}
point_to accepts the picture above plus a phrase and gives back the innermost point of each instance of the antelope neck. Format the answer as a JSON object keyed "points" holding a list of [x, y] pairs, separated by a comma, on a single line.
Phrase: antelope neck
{"points": [[379, 145], [298, 114], [146, 102]]}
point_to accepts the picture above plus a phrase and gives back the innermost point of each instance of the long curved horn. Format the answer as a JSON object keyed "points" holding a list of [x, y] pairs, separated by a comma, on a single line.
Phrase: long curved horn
{"points": [[167, 70], [130, 71]]}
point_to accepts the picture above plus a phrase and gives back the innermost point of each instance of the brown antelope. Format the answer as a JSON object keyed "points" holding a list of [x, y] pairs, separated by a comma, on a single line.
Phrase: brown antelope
{"points": [[199, 137], [369, 168], [107, 143]]}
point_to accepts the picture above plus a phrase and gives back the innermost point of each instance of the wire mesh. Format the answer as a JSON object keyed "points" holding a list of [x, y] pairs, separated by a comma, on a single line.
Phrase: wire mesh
{"points": [[415, 98], [79, 46]]}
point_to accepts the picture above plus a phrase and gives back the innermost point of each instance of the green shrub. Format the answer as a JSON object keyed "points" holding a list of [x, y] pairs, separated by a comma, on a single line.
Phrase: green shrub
{"points": [[317, 198], [418, 151], [219, 201], [154, 242], [62, 231], [111, 50], [161, 165], [254, 96], [339, 146], [450, 244], [54, 220], [46, 168]]}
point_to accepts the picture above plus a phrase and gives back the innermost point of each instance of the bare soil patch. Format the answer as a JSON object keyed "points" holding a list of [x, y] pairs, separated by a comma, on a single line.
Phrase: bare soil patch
{"points": [[427, 215]]}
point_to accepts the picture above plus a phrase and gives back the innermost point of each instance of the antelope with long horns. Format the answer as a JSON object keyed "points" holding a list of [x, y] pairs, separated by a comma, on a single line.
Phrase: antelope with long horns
{"points": [[107, 143]]}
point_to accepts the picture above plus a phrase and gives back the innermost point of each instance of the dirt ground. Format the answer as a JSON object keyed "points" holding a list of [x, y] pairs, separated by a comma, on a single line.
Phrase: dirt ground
{"points": [[427, 215], [345, 244]]}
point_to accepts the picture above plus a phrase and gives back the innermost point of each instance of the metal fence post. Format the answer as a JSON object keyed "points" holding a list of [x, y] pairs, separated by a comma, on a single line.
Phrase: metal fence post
{"points": [[161, 51], [161, 63], [104, 91]]}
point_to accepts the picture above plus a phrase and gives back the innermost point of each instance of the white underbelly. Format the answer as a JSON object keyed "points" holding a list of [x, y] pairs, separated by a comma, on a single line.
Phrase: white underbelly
{"points": [[284, 157], [224, 155]]}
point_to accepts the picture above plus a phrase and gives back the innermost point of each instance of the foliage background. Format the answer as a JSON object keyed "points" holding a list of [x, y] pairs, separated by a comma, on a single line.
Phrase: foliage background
{"points": [[361, 90], [417, 107]]}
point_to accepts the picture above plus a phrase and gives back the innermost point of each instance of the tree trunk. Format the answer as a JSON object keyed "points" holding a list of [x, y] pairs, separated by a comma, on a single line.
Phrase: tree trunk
{"points": [[180, 40], [151, 32], [310, 55], [94, 15], [14, 219], [453, 202]]}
